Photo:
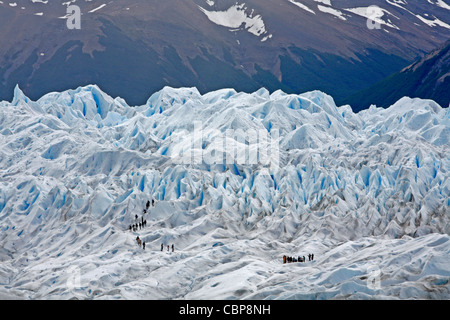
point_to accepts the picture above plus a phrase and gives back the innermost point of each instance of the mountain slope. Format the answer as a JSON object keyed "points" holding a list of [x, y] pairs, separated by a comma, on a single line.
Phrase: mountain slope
{"points": [[131, 48], [239, 181], [427, 78]]}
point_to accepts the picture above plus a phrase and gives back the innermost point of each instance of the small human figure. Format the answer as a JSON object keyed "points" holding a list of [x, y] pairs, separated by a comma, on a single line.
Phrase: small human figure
{"points": [[284, 259], [162, 246], [153, 202], [167, 248], [143, 245], [312, 256], [139, 242], [173, 248]]}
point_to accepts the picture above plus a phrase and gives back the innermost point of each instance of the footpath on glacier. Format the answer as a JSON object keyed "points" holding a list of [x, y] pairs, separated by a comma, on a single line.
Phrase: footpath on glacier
{"points": [[239, 180]]}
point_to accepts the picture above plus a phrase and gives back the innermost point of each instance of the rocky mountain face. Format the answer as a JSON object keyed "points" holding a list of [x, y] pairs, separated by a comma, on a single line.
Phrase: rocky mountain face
{"points": [[133, 48], [427, 78]]}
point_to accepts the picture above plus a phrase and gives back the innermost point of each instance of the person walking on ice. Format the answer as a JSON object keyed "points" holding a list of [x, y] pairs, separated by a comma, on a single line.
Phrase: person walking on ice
{"points": [[139, 241]]}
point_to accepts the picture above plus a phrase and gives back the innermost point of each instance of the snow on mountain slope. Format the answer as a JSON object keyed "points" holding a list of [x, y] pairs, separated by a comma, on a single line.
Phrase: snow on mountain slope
{"points": [[301, 5], [239, 181], [238, 17]]}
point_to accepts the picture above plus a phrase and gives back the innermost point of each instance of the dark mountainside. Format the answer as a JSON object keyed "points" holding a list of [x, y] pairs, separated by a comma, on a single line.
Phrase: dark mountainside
{"points": [[428, 78], [133, 48]]}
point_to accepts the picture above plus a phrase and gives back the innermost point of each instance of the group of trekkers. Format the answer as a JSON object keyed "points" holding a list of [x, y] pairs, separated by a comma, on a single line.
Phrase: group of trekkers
{"points": [[162, 247], [287, 259], [141, 224]]}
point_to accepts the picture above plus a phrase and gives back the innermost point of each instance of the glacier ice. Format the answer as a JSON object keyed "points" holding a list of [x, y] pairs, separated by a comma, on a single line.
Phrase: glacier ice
{"points": [[368, 193]]}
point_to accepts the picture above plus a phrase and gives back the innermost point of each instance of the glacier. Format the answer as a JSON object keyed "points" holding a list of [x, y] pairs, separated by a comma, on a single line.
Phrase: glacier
{"points": [[239, 180]]}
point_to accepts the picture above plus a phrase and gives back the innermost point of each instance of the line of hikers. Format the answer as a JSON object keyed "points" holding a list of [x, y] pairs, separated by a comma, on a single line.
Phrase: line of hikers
{"points": [[142, 243], [162, 247], [147, 205], [287, 259], [139, 225], [142, 223]]}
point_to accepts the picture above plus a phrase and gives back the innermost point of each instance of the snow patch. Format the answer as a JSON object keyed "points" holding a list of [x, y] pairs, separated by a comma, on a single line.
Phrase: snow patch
{"points": [[238, 17], [368, 193]]}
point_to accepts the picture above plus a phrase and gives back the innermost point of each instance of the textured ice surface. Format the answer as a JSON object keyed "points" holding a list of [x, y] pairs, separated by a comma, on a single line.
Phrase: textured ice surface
{"points": [[367, 193]]}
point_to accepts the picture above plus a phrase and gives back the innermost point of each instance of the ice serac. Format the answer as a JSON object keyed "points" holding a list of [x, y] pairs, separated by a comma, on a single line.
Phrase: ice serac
{"points": [[239, 180]]}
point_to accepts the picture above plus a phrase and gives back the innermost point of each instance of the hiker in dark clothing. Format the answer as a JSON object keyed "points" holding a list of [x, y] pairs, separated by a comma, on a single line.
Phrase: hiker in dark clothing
{"points": [[153, 202], [143, 245], [147, 204], [312, 256], [162, 246], [139, 241], [309, 257], [173, 248]]}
